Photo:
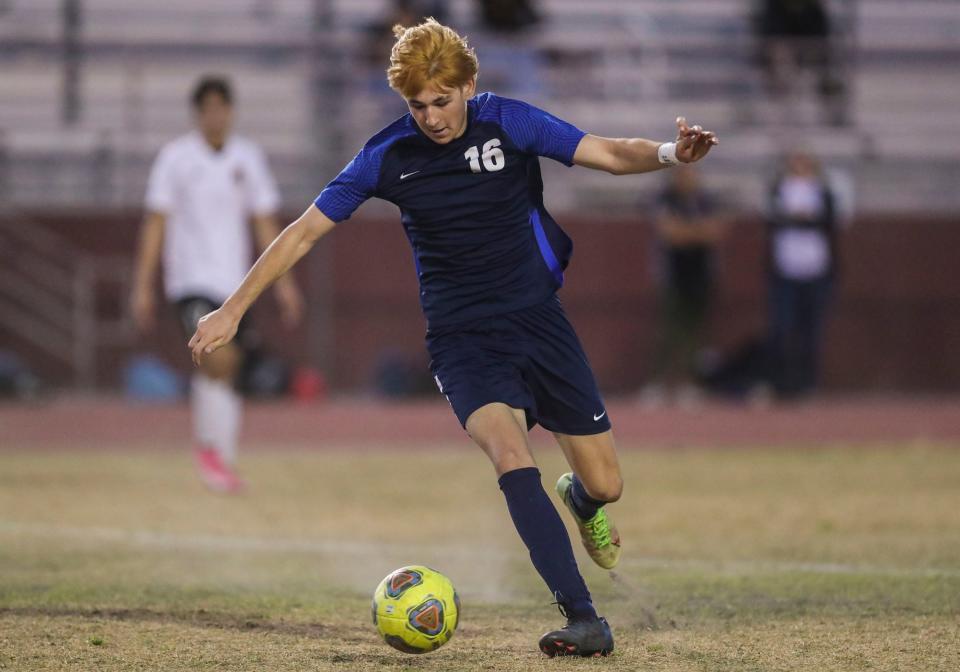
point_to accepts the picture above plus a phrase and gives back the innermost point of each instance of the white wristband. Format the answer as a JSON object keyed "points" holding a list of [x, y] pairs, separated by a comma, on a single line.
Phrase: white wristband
{"points": [[667, 153]]}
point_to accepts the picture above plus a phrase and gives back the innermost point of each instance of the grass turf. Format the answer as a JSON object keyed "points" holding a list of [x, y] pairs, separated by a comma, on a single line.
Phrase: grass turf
{"points": [[828, 558]]}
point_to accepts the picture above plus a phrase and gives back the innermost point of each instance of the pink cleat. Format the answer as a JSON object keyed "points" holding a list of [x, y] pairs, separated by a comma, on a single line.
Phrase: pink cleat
{"points": [[215, 474]]}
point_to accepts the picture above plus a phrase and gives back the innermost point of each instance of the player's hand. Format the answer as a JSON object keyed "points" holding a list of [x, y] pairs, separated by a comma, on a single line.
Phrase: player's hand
{"points": [[693, 142], [291, 302], [214, 330], [143, 309]]}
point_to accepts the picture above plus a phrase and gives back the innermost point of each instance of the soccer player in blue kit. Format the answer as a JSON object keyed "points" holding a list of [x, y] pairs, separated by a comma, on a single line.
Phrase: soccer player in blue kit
{"points": [[464, 171]]}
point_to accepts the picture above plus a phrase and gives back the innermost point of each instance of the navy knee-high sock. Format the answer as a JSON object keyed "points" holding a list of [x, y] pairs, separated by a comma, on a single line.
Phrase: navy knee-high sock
{"points": [[541, 529], [585, 505]]}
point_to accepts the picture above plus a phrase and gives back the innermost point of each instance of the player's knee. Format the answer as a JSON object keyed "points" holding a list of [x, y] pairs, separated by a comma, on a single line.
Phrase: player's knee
{"points": [[507, 454], [224, 374], [502, 439], [224, 364], [609, 490]]}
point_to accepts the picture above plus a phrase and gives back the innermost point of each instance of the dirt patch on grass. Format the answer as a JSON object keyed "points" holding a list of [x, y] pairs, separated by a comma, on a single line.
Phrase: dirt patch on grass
{"points": [[198, 618]]}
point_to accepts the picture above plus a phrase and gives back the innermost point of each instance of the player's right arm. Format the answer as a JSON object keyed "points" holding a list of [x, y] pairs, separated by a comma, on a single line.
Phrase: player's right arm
{"points": [[216, 329], [145, 270], [160, 201]]}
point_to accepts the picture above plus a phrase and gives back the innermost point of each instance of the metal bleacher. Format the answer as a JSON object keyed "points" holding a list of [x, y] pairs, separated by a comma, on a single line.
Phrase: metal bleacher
{"points": [[310, 93], [614, 67]]}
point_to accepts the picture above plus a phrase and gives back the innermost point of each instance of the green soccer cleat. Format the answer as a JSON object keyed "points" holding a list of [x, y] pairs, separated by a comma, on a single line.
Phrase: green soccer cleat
{"points": [[600, 537]]}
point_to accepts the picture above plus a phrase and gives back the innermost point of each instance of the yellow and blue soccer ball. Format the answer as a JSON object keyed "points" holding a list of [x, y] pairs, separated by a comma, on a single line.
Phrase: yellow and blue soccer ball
{"points": [[416, 609]]}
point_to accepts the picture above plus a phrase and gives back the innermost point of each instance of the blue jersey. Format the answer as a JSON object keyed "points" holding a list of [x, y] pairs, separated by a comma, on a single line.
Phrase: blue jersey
{"points": [[472, 209]]}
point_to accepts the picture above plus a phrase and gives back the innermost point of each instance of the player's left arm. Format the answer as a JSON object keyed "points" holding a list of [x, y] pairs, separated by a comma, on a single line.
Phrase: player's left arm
{"points": [[265, 230], [626, 156]]}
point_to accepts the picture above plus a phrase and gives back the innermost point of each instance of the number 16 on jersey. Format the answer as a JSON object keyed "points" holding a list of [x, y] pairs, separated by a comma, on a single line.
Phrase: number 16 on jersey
{"points": [[492, 156]]}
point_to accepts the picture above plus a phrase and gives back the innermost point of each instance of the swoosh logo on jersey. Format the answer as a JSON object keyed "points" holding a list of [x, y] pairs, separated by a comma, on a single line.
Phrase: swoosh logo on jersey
{"points": [[404, 176], [597, 417]]}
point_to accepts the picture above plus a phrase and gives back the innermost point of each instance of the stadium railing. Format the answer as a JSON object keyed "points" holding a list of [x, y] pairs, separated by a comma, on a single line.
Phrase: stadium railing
{"points": [[48, 298]]}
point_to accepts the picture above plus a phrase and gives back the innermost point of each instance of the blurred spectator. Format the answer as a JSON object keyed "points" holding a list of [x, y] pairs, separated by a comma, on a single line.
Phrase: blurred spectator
{"points": [[378, 40], [379, 34], [795, 37], [688, 229], [508, 15], [511, 63], [803, 222]]}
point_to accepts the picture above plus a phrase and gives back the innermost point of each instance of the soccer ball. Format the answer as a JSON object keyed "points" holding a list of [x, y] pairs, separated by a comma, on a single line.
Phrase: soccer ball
{"points": [[416, 609]]}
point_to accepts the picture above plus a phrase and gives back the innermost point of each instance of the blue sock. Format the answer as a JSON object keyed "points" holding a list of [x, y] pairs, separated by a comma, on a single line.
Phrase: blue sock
{"points": [[545, 536], [585, 505]]}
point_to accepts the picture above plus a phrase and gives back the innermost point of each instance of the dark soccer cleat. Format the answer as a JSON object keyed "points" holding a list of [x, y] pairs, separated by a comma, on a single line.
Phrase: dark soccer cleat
{"points": [[579, 638]]}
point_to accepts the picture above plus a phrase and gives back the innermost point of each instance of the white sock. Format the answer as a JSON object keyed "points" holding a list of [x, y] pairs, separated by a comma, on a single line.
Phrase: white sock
{"points": [[217, 413]]}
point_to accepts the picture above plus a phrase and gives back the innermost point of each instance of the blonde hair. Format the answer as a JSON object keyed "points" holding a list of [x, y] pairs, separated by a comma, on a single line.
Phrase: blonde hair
{"points": [[429, 53]]}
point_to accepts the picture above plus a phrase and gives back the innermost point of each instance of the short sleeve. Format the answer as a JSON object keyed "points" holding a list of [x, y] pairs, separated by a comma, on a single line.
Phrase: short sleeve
{"points": [[263, 197], [538, 132], [355, 184], [160, 184]]}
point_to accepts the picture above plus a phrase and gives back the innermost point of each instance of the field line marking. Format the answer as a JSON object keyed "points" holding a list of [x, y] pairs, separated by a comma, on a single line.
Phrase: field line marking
{"points": [[210, 542]]}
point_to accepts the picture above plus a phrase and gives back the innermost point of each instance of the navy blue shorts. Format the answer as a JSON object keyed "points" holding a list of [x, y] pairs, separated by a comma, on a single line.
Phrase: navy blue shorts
{"points": [[530, 359]]}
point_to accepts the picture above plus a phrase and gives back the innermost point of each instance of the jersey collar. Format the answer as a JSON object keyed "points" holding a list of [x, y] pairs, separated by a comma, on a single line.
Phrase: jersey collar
{"points": [[210, 151]]}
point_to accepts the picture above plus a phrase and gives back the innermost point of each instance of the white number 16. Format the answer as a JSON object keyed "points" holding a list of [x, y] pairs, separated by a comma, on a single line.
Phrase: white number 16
{"points": [[492, 156]]}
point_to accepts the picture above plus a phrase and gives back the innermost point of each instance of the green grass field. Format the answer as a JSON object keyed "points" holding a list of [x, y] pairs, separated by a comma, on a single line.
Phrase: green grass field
{"points": [[825, 558]]}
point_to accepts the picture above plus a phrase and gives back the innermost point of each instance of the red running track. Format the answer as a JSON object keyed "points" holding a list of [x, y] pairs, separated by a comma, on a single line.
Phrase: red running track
{"points": [[111, 423]]}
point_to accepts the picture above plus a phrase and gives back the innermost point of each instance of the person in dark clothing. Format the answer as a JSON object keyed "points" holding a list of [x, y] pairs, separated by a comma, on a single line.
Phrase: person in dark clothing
{"points": [[508, 15], [795, 35], [688, 230]]}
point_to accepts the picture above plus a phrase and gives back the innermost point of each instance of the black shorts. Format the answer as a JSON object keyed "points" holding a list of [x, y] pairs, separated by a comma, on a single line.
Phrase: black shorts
{"points": [[529, 359], [191, 308]]}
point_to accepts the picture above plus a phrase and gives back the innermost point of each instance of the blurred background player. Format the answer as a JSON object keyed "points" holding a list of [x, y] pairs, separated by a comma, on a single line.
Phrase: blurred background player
{"points": [[688, 230], [465, 173], [205, 190]]}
